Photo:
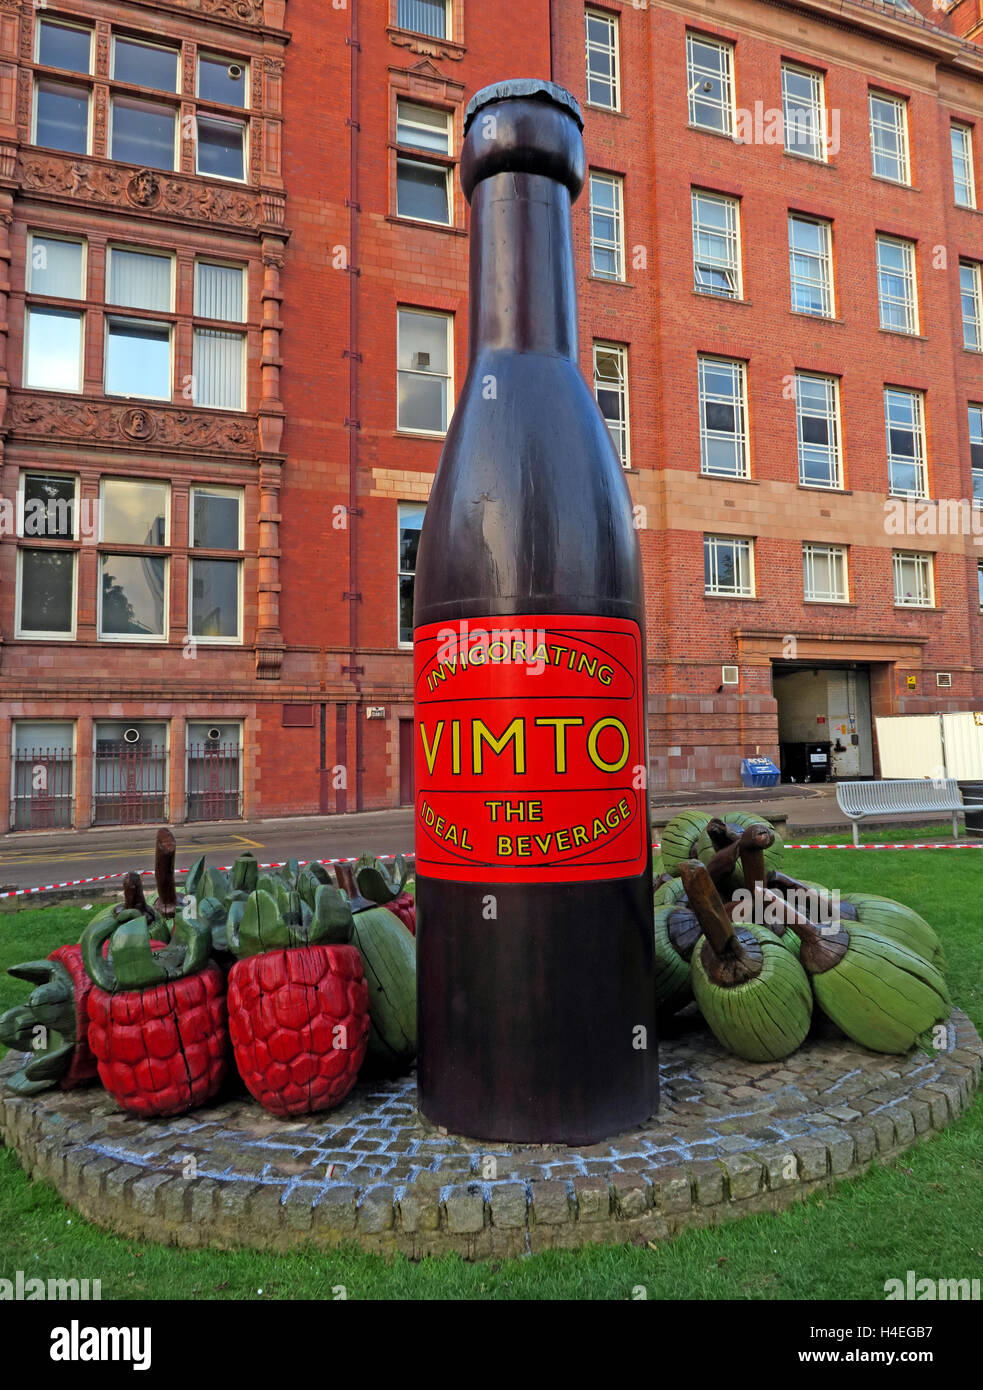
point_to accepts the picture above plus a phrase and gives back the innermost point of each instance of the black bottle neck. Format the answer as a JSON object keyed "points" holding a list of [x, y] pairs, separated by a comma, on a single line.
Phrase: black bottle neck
{"points": [[523, 294]]}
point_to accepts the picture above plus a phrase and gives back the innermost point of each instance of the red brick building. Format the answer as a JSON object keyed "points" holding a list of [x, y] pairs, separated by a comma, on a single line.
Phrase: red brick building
{"points": [[236, 319]]}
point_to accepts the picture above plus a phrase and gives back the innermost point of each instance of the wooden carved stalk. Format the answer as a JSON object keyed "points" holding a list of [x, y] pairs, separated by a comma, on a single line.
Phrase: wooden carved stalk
{"points": [[781, 883], [822, 948], [720, 834], [133, 895], [726, 960], [345, 874], [721, 867], [165, 851]]}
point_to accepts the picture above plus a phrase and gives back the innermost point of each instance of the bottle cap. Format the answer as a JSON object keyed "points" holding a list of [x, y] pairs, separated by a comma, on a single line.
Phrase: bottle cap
{"points": [[529, 87], [526, 126]]}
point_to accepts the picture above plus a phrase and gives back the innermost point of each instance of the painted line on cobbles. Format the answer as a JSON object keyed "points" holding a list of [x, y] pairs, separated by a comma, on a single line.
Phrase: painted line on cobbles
{"points": [[352, 859]]}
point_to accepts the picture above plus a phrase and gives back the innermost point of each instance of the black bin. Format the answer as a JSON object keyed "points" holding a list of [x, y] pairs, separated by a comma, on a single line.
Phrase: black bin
{"points": [[818, 761], [973, 798]]}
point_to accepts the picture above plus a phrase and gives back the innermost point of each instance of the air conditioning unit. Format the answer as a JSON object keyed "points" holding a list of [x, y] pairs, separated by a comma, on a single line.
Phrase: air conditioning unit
{"points": [[235, 71], [214, 735], [422, 359], [131, 735], [943, 679], [730, 675], [375, 712]]}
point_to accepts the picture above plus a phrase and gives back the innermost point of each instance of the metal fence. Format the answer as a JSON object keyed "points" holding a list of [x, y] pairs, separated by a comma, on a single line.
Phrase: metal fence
{"points": [[131, 783], [43, 796], [214, 781]]}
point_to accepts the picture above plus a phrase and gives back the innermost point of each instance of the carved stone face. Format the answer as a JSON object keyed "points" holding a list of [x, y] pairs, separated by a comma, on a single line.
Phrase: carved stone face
{"points": [[143, 188]]}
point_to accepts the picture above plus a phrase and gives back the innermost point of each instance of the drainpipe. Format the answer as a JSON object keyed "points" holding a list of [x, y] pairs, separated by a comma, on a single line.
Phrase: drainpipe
{"points": [[353, 424]]}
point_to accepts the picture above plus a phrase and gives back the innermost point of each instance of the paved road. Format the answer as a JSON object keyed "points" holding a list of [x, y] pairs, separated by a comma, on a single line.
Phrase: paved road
{"points": [[36, 858]]}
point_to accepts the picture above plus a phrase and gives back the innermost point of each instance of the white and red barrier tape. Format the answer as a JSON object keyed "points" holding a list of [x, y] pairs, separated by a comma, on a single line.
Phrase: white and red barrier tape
{"points": [[351, 859]]}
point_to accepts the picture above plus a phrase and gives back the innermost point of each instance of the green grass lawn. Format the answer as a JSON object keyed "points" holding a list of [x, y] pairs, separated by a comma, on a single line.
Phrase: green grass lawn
{"points": [[925, 1213]]}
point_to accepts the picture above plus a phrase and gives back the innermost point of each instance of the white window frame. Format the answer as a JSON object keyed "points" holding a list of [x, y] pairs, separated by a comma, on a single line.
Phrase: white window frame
{"points": [[973, 321], [740, 404], [909, 275], [617, 183], [150, 638], [400, 572], [41, 78], [811, 552], [816, 108], [217, 490], [197, 638], [612, 49], [19, 630], [976, 472], [60, 723], [41, 472], [920, 458], [151, 100], [229, 62], [725, 75], [968, 178], [823, 259], [620, 351], [832, 418], [446, 37], [900, 126], [922, 559], [732, 235], [57, 22], [64, 390], [143, 42], [105, 541], [243, 125], [744, 554], [123, 316], [222, 265], [979, 582], [413, 154], [448, 376], [161, 253], [82, 241]]}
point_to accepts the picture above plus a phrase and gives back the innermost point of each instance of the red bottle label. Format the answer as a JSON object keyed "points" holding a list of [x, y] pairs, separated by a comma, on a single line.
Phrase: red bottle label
{"points": [[530, 750]]}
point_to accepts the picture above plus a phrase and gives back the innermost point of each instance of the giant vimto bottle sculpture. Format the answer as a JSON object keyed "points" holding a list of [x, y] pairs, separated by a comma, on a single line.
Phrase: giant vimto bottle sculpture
{"points": [[535, 927]]}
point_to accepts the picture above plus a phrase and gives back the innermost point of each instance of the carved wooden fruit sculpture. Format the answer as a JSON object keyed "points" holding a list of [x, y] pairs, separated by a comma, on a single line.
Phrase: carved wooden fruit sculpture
{"points": [[680, 836], [879, 993], [673, 990], [388, 890], [53, 1025], [298, 1003], [389, 953], [157, 1021], [892, 920], [750, 988]]}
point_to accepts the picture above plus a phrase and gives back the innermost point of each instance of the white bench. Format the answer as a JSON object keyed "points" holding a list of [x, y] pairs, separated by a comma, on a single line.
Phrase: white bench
{"points": [[905, 796]]}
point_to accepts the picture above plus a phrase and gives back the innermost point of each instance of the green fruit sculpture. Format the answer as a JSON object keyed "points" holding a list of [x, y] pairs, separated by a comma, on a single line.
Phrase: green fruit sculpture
{"points": [[680, 837], [673, 990], [880, 994], [671, 890], [389, 955], [750, 988], [887, 918], [723, 832]]}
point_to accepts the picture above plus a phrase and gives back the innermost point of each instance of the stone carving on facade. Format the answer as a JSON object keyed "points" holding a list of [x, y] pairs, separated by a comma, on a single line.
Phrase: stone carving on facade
{"points": [[273, 259], [24, 99], [187, 429], [422, 46], [247, 11], [141, 188]]}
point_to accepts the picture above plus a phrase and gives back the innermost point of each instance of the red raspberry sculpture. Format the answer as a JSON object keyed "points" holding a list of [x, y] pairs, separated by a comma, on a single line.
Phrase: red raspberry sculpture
{"points": [[157, 1020], [298, 1002], [53, 1025]]}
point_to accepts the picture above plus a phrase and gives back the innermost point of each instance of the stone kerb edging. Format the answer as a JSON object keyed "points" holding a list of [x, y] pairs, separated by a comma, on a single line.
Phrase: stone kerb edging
{"points": [[731, 1138]]}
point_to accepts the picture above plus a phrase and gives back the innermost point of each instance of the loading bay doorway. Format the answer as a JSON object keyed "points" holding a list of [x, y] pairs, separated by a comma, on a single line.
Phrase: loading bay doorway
{"points": [[825, 731]]}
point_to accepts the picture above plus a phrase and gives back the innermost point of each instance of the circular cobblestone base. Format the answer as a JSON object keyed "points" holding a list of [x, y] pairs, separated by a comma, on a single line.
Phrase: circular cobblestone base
{"points": [[731, 1138]]}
